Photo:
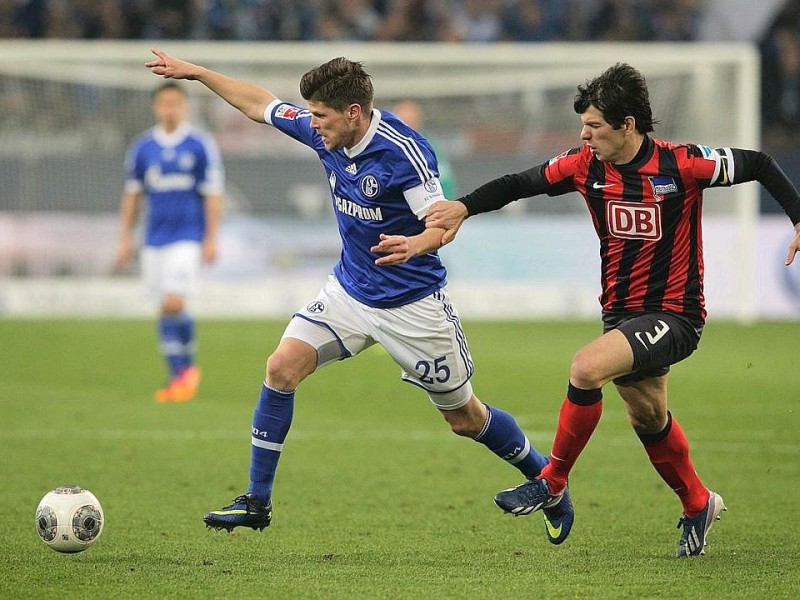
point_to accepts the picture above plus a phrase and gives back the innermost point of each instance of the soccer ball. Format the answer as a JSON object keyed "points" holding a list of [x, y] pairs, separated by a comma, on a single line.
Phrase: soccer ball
{"points": [[69, 519]]}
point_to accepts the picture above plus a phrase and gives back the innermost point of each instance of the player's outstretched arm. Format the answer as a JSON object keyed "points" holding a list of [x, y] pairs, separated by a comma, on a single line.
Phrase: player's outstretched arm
{"points": [[753, 165], [447, 215], [493, 195], [250, 99]]}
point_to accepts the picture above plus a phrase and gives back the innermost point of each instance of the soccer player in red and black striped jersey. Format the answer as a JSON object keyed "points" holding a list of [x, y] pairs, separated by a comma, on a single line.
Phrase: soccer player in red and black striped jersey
{"points": [[645, 197]]}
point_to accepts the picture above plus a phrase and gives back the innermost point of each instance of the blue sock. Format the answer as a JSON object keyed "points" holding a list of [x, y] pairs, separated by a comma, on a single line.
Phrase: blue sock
{"points": [[172, 348], [271, 421], [502, 435], [186, 333]]}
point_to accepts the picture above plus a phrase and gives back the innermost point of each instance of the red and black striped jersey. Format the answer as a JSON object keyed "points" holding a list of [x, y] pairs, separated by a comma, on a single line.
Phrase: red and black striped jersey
{"points": [[647, 214]]}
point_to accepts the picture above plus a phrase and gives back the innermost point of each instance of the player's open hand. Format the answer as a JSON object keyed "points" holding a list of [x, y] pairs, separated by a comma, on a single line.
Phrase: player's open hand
{"points": [[794, 246], [169, 67], [397, 249], [448, 215]]}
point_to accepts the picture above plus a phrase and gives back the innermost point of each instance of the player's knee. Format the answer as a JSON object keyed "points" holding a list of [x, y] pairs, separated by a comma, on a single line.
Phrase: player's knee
{"points": [[586, 370], [283, 372], [172, 304]]}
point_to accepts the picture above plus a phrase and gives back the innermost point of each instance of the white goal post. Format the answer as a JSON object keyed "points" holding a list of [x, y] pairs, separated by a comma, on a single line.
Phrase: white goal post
{"points": [[71, 107]]}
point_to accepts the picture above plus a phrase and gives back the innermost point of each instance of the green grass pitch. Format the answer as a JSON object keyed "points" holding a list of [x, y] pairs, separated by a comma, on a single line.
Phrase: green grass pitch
{"points": [[374, 497]]}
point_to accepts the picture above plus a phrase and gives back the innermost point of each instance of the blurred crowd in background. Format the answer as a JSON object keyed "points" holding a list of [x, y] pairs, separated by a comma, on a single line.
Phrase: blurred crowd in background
{"points": [[773, 24], [364, 20]]}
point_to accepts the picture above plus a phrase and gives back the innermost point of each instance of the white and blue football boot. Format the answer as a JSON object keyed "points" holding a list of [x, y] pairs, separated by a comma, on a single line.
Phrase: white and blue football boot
{"points": [[693, 540]]}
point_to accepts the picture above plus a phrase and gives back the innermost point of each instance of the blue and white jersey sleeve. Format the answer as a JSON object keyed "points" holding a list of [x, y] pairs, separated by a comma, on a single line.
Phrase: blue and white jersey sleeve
{"points": [[383, 184], [416, 170], [134, 173], [294, 121]]}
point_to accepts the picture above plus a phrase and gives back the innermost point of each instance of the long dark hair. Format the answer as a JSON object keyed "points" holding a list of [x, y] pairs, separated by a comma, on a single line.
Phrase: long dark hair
{"points": [[621, 91]]}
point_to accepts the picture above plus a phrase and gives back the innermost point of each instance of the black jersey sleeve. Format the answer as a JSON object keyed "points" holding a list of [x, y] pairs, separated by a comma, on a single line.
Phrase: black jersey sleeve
{"points": [[752, 165], [497, 193]]}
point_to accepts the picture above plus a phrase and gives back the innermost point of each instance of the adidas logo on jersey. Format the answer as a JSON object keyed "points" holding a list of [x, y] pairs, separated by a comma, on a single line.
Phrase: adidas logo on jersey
{"points": [[351, 168]]}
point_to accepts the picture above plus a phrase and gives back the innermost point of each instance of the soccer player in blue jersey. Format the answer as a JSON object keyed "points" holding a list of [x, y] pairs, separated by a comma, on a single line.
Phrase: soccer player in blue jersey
{"points": [[388, 287], [178, 169]]}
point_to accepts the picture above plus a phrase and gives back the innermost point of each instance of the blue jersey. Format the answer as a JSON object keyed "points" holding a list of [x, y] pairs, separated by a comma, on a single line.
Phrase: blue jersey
{"points": [[384, 184], [176, 171]]}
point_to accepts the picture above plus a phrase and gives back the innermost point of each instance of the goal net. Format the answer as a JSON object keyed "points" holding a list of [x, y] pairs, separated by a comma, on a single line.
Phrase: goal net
{"points": [[70, 109]]}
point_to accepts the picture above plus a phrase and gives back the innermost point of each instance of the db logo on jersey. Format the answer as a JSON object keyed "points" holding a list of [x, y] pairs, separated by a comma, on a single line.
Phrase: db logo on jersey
{"points": [[634, 221]]}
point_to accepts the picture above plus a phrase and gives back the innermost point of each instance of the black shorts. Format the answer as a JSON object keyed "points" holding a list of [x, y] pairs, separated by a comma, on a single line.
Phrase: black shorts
{"points": [[658, 340]]}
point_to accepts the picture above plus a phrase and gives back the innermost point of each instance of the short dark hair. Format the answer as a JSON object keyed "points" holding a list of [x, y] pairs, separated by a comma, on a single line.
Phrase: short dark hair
{"points": [[338, 83], [169, 85], [619, 92]]}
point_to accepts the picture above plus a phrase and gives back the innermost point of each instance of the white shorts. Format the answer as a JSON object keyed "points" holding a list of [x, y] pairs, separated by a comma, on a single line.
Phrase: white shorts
{"points": [[425, 338], [171, 269]]}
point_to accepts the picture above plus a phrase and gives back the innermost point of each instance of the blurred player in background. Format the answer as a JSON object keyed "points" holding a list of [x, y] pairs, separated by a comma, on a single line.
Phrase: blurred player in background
{"points": [[645, 199], [178, 169], [383, 176]]}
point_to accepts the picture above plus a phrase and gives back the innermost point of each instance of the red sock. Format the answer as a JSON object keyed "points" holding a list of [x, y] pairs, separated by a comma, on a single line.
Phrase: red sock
{"points": [[670, 457], [576, 423]]}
